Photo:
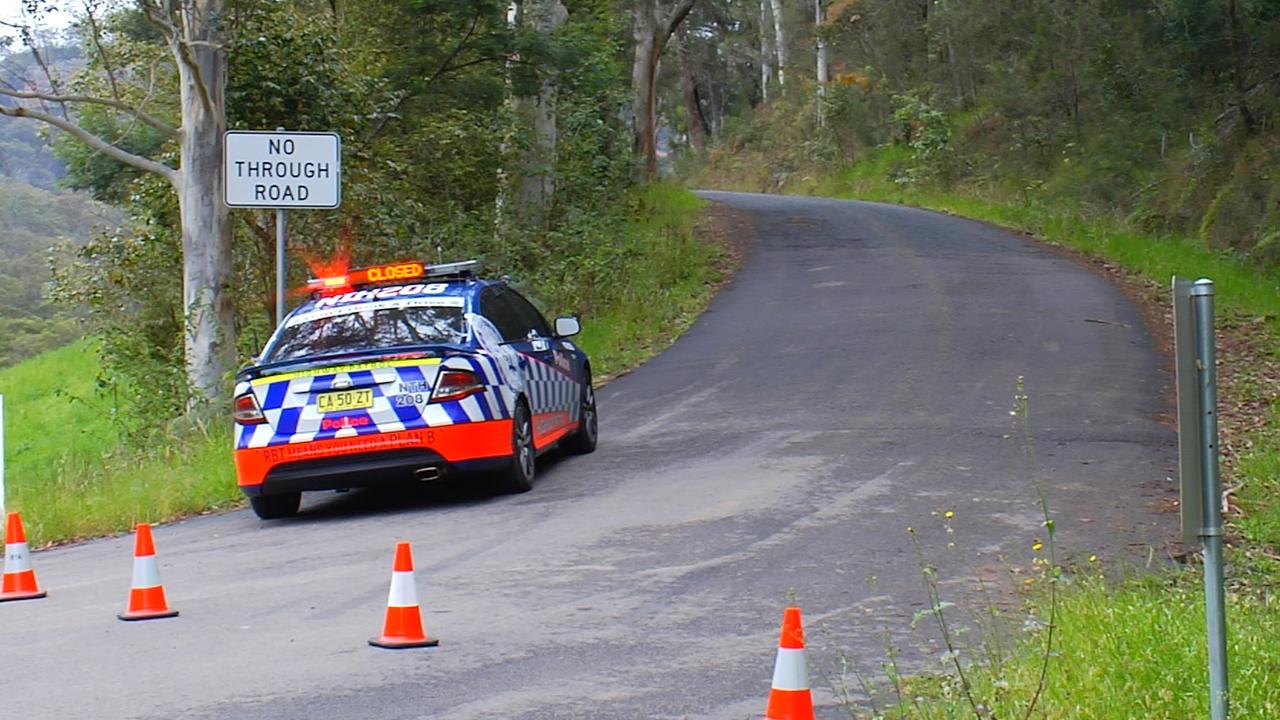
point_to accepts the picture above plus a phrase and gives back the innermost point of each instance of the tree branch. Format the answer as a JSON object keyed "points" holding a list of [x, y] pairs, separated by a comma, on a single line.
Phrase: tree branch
{"points": [[184, 42], [29, 39], [92, 100], [96, 36], [179, 44], [97, 143], [154, 15], [677, 16], [444, 66]]}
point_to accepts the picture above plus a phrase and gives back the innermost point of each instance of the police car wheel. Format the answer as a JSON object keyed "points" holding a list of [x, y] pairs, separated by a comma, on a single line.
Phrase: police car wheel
{"points": [[518, 477], [272, 507], [584, 438]]}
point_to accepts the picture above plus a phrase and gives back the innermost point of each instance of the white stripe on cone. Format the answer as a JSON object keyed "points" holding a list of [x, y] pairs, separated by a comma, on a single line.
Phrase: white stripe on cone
{"points": [[16, 558], [146, 572], [403, 593], [790, 671]]}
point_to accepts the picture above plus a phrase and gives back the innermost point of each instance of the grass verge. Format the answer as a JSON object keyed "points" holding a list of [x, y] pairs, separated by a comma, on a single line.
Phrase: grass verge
{"points": [[73, 477], [1133, 649], [672, 277]]}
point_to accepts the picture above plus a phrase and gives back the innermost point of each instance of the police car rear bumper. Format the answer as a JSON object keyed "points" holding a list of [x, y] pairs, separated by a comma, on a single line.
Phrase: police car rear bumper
{"points": [[367, 460]]}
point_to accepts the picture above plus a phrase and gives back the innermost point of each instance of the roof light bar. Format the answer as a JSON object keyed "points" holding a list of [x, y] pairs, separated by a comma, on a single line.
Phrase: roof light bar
{"points": [[462, 268], [391, 272]]}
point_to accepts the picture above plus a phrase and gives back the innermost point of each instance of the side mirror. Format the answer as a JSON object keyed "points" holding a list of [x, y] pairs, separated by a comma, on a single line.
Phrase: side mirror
{"points": [[567, 327]]}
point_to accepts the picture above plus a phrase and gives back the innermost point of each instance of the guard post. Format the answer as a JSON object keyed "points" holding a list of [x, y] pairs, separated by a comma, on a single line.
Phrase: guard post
{"points": [[3, 514], [1201, 488]]}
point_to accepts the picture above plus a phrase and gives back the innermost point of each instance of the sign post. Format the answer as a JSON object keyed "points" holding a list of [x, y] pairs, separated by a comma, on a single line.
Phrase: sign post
{"points": [[1196, 363], [281, 170]]}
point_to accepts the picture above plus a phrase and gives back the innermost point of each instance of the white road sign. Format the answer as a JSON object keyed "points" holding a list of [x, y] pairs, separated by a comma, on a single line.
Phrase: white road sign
{"points": [[282, 169]]}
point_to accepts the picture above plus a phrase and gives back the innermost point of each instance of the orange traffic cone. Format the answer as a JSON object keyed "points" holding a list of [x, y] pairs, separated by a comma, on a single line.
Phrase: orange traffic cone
{"points": [[403, 626], [19, 579], [146, 595], [790, 698]]}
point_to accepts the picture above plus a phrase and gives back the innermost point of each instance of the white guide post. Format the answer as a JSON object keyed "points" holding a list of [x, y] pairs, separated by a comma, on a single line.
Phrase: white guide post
{"points": [[2, 505]]}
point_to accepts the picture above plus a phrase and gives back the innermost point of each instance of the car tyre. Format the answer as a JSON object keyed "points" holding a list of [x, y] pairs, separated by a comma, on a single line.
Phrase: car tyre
{"points": [[274, 507], [518, 477], [584, 438]]}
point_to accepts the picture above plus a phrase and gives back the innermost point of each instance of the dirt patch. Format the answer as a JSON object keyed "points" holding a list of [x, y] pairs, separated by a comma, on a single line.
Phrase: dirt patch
{"points": [[733, 231]]}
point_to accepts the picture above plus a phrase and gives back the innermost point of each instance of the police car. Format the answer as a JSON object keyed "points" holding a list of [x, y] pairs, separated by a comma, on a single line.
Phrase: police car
{"points": [[406, 371]]}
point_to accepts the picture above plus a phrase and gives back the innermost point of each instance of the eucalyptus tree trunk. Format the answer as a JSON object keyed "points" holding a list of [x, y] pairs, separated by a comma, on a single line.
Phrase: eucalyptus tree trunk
{"points": [[193, 31], [644, 71], [766, 52], [651, 28], [535, 179], [697, 122], [779, 41], [210, 341], [821, 60], [502, 198]]}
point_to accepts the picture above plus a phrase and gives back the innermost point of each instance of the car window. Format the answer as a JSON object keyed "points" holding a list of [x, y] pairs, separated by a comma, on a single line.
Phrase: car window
{"points": [[495, 304], [367, 329], [529, 316]]}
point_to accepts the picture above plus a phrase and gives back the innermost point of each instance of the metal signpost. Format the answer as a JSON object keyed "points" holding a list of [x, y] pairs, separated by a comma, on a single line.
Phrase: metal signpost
{"points": [[281, 170], [1195, 360]]}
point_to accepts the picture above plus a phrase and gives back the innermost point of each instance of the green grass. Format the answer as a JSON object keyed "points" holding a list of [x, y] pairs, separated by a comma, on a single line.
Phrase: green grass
{"points": [[1128, 650], [52, 409], [671, 277], [67, 471], [72, 477], [1258, 474]]}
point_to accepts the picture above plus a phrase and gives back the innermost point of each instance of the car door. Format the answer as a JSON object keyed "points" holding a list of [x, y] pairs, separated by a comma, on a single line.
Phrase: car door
{"points": [[553, 369], [496, 305], [553, 395]]}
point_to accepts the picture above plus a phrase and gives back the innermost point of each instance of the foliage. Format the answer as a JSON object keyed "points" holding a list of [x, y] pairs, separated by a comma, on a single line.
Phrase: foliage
{"points": [[927, 131]]}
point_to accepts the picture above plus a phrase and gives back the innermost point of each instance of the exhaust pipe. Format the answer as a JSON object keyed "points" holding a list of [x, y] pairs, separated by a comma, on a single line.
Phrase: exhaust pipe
{"points": [[427, 474]]}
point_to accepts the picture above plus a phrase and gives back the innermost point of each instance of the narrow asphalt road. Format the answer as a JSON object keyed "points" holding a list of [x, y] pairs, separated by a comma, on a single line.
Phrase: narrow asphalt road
{"points": [[854, 380]]}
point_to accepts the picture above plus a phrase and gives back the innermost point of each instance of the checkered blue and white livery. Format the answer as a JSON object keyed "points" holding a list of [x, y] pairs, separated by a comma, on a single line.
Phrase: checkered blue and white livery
{"points": [[552, 390], [293, 417]]}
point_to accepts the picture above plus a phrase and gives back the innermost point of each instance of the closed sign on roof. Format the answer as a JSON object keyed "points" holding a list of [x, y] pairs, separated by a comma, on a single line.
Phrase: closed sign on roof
{"points": [[282, 169]]}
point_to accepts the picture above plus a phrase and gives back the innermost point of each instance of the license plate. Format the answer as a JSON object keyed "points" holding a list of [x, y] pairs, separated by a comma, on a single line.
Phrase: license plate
{"points": [[344, 400]]}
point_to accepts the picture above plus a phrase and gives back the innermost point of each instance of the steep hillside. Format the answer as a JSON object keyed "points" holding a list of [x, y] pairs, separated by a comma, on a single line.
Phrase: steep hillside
{"points": [[39, 226]]}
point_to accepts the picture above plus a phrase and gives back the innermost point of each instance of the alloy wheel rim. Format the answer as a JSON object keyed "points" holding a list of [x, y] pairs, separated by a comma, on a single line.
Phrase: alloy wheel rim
{"points": [[589, 412], [525, 441]]}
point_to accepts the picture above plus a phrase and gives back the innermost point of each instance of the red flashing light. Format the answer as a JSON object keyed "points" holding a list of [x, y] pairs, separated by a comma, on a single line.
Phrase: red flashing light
{"points": [[343, 282]]}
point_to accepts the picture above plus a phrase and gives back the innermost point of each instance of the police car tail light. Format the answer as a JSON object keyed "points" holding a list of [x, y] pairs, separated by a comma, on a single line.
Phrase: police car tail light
{"points": [[247, 411], [455, 385]]}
